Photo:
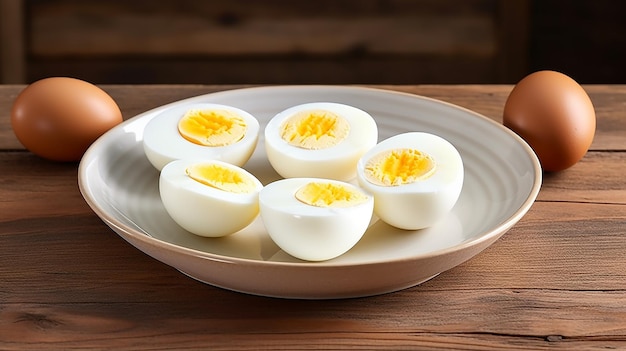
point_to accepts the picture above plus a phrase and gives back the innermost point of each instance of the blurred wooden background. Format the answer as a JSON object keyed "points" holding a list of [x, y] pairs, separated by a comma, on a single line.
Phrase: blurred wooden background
{"points": [[311, 42]]}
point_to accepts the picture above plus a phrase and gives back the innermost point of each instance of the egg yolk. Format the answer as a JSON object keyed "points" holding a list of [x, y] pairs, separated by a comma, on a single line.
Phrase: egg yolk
{"points": [[212, 127], [329, 195], [314, 130], [221, 177], [398, 167]]}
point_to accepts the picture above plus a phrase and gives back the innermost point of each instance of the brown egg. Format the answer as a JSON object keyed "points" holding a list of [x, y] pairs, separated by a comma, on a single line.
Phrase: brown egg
{"points": [[58, 118], [555, 116]]}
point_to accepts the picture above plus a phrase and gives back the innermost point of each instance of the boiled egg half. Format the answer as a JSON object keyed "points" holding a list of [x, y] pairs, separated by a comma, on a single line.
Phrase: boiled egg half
{"points": [[416, 178], [201, 131], [315, 219], [209, 198], [319, 140]]}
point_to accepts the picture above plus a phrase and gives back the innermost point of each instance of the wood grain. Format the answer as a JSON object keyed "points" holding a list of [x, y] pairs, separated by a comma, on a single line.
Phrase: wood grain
{"points": [[12, 51], [277, 41], [110, 28], [556, 280]]}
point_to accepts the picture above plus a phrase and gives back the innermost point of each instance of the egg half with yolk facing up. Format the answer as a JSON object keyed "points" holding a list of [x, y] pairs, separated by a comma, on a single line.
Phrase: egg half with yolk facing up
{"points": [[201, 131], [319, 140], [209, 198], [315, 219], [416, 178]]}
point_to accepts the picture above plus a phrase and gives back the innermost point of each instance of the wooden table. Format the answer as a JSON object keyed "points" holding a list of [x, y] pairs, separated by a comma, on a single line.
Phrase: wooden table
{"points": [[556, 280]]}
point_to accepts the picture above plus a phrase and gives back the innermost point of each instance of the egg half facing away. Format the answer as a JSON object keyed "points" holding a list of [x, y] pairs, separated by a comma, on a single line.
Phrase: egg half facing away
{"points": [[209, 198], [315, 219], [201, 131], [319, 140], [415, 178], [58, 118], [555, 116]]}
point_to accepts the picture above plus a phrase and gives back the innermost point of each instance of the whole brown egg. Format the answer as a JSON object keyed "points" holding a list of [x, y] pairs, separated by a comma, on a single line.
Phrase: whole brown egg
{"points": [[58, 118], [555, 116]]}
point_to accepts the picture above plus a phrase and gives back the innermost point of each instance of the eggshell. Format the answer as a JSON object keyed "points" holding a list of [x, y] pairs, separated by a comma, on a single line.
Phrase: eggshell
{"points": [[58, 118], [555, 116]]}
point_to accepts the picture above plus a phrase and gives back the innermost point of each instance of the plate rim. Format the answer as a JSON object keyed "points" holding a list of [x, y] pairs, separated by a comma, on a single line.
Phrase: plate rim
{"points": [[494, 233]]}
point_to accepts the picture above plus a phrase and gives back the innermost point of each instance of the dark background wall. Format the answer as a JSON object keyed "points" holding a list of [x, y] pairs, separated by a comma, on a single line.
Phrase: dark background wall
{"points": [[587, 39], [311, 42]]}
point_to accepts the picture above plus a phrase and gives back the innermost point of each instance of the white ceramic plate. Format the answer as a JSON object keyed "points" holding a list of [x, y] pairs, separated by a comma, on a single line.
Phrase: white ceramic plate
{"points": [[502, 180]]}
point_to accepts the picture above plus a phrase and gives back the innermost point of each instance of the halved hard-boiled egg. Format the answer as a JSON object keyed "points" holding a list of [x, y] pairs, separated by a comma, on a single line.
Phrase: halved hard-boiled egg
{"points": [[319, 140], [416, 178], [209, 198], [315, 219], [201, 131]]}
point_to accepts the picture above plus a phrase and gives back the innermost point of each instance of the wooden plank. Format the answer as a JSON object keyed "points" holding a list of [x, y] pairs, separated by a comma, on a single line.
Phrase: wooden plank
{"points": [[69, 28], [556, 280], [514, 26], [270, 70], [8, 94], [510, 319], [602, 172], [584, 40], [12, 42]]}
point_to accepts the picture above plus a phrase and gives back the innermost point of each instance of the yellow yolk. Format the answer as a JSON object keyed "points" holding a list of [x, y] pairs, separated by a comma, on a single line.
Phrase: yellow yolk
{"points": [[314, 130], [329, 195], [398, 167], [221, 177], [212, 127]]}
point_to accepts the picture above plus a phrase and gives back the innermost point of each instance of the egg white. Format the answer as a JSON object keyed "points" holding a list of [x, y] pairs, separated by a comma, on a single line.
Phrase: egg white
{"points": [[336, 162], [163, 143], [204, 210], [419, 204], [309, 232]]}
